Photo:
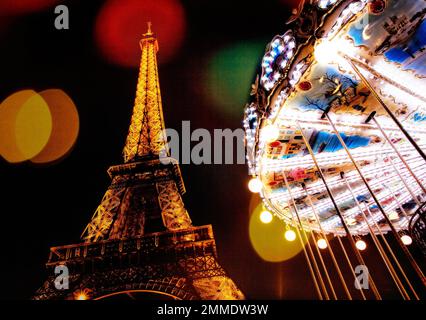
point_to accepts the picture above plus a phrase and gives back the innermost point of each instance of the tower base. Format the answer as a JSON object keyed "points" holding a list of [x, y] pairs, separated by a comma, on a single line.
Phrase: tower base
{"points": [[177, 265]]}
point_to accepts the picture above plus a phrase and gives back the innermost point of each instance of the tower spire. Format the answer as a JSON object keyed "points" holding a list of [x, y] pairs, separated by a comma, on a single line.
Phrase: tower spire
{"points": [[146, 136], [149, 32]]}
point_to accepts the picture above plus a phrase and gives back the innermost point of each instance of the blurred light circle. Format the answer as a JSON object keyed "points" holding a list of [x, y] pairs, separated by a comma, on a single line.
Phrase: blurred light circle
{"points": [[290, 235], [25, 126], [267, 239], [65, 126], [121, 24], [322, 244], [266, 217], [406, 239], [33, 126], [255, 185], [228, 75], [361, 245], [8, 7]]}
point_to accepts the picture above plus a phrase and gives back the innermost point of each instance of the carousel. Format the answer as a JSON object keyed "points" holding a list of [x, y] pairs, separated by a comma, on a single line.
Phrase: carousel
{"points": [[336, 140]]}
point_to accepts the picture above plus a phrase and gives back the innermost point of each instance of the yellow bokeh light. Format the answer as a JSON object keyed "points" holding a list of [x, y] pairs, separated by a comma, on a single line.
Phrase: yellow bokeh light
{"points": [[65, 126], [267, 239], [25, 126], [33, 126]]}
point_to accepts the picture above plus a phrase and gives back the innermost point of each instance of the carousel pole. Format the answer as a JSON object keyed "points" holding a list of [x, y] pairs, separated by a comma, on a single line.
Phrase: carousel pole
{"points": [[339, 213], [385, 107], [315, 264], [395, 233], [380, 248], [404, 182], [391, 252], [336, 265], [373, 117], [324, 267], [397, 201]]}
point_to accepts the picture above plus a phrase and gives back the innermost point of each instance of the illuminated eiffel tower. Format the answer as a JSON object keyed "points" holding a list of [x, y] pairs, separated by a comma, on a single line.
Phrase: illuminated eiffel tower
{"points": [[141, 242]]}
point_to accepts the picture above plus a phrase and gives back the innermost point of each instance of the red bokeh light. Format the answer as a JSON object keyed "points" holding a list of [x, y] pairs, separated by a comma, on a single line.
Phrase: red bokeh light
{"points": [[292, 4], [16, 7], [121, 23]]}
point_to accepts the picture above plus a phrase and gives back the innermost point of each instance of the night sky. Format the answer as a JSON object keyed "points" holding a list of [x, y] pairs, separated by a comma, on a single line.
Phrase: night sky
{"points": [[49, 205]]}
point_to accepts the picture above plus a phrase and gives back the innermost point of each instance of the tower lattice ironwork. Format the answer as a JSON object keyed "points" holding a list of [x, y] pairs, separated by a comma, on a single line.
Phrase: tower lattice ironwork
{"points": [[141, 238]]}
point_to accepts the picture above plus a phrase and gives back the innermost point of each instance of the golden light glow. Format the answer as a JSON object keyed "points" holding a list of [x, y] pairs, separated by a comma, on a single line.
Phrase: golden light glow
{"points": [[267, 239], [361, 245], [255, 185], [322, 244], [266, 217], [290, 235], [83, 294], [33, 126], [270, 133], [65, 126], [406, 239], [25, 126]]}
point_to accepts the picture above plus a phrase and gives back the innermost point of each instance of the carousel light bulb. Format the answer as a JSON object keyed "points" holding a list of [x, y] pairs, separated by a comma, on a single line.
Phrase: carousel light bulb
{"points": [[266, 217], [270, 133], [361, 245], [255, 185], [325, 52], [406, 240], [322, 244], [290, 235]]}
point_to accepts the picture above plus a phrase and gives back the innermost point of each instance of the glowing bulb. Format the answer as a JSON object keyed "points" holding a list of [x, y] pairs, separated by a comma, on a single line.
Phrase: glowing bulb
{"points": [[330, 51], [270, 133], [324, 52], [265, 217], [322, 244], [361, 245], [406, 240], [255, 185], [290, 235]]}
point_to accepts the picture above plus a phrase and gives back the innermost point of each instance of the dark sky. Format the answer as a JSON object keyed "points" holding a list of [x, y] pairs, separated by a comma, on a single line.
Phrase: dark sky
{"points": [[44, 206]]}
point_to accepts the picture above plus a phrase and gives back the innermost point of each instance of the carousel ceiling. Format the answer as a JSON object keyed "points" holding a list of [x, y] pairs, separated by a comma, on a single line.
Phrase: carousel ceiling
{"points": [[318, 101]]}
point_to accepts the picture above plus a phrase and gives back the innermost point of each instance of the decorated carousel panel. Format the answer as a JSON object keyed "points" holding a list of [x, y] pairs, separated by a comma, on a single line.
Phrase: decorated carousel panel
{"points": [[336, 127]]}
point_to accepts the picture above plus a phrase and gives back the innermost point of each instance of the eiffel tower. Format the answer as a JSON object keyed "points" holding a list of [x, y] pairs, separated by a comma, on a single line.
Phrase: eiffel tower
{"points": [[140, 242]]}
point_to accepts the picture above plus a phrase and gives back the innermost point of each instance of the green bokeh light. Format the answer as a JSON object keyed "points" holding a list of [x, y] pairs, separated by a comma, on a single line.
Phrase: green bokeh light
{"points": [[230, 73]]}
